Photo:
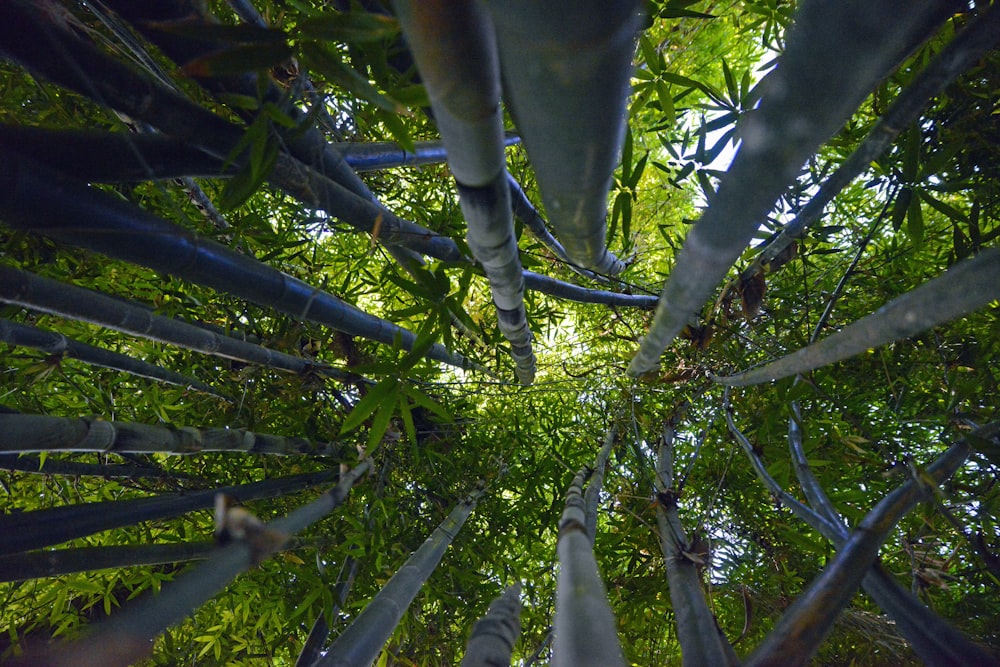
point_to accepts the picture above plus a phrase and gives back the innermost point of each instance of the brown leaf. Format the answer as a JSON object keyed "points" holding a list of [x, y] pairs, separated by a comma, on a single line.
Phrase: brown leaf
{"points": [[752, 294]]}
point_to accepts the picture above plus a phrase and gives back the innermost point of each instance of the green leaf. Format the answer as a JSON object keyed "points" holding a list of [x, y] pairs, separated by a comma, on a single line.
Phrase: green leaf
{"points": [[666, 102], [239, 59], [329, 64], [425, 401], [378, 395], [349, 27], [380, 424], [915, 222]]}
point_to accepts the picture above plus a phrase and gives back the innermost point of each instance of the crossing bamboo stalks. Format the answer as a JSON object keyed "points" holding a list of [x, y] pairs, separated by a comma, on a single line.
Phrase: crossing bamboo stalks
{"points": [[50, 296], [128, 635], [46, 202], [43, 528]]}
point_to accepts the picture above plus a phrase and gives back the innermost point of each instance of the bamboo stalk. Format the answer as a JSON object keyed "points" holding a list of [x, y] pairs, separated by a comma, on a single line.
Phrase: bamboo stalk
{"points": [[494, 635], [35, 465], [360, 643], [584, 624], [701, 639], [36, 529], [836, 54], [569, 105], [38, 564], [40, 433], [58, 344], [592, 496], [962, 289]]}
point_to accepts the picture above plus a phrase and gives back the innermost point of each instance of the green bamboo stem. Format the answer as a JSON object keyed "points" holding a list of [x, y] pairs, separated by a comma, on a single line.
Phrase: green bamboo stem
{"points": [[935, 641], [39, 564], [46, 202], [36, 529], [956, 57], [454, 47], [34, 465], [494, 635], [128, 635], [962, 289], [569, 105], [592, 496], [40, 433], [360, 643], [584, 624], [58, 344], [701, 639], [805, 624], [836, 53], [50, 296]]}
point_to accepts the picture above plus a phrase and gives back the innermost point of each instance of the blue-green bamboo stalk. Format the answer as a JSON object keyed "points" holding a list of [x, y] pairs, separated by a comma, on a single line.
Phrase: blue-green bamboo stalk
{"points": [[962, 289], [592, 496], [58, 344], [454, 47], [360, 643], [584, 624], [836, 54], [494, 635], [376, 155], [569, 104]]}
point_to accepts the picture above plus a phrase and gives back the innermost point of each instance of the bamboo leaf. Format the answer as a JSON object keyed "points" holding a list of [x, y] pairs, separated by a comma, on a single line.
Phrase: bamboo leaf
{"points": [[369, 403]]}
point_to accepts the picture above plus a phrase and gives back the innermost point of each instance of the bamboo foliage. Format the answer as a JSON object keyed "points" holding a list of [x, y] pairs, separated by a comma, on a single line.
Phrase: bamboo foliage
{"points": [[127, 636], [61, 346], [584, 624], [40, 433], [360, 643], [455, 50], [494, 635], [964, 288], [836, 54]]}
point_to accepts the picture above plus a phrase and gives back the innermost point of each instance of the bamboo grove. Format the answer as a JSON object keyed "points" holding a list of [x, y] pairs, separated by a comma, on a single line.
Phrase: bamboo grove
{"points": [[499, 332]]}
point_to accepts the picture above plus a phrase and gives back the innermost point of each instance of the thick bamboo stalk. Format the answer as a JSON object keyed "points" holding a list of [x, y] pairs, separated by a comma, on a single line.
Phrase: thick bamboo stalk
{"points": [[702, 642], [494, 635], [836, 54], [360, 643], [377, 155], [38, 564], [960, 54], [40, 433], [962, 289], [58, 344], [50, 296], [42, 528], [128, 635], [584, 624], [566, 81], [45, 202], [455, 50]]}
